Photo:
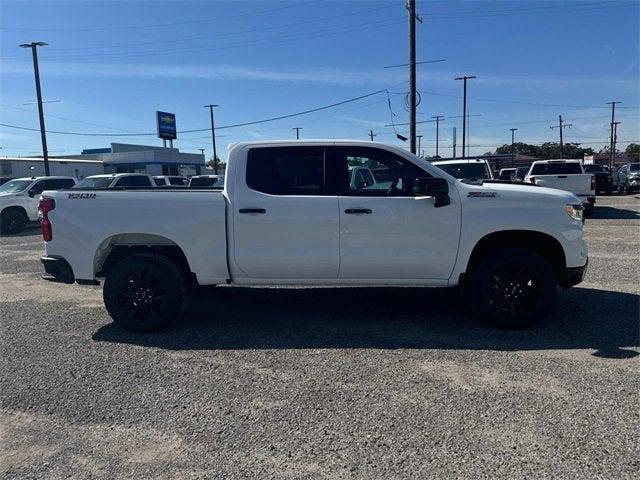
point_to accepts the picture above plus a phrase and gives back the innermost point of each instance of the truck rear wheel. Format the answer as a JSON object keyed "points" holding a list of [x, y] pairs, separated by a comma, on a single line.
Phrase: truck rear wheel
{"points": [[513, 288], [145, 292], [13, 221]]}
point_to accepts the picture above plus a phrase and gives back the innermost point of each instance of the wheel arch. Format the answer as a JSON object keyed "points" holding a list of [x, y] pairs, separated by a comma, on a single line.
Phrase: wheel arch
{"points": [[540, 243], [118, 247], [18, 208]]}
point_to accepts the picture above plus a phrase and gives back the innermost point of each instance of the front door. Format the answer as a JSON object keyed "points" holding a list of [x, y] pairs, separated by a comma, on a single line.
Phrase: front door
{"points": [[386, 230], [285, 215]]}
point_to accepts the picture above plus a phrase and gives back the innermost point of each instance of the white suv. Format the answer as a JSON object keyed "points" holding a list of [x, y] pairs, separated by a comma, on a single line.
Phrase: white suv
{"points": [[19, 199]]}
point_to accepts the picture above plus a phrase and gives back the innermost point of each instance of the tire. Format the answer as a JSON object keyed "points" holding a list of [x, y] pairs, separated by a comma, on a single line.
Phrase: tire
{"points": [[145, 292], [512, 288], [13, 221], [588, 210]]}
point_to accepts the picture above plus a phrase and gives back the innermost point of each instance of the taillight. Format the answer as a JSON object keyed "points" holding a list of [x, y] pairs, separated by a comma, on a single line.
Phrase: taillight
{"points": [[532, 180], [593, 182], [44, 207]]}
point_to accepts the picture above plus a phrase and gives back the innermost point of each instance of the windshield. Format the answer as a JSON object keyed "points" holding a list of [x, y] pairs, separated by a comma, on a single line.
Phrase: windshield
{"points": [[634, 167], [15, 186], [466, 171], [96, 182], [593, 168], [556, 169]]}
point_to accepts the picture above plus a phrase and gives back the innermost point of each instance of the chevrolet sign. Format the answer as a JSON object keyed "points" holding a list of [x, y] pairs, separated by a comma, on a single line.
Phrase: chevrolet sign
{"points": [[166, 125]]}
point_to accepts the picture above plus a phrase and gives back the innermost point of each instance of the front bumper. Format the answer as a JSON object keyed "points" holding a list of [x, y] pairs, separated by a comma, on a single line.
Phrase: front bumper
{"points": [[574, 276], [57, 270]]}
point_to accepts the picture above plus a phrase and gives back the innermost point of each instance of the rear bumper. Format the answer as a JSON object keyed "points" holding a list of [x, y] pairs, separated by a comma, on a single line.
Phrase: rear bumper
{"points": [[57, 270], [574, 276]]}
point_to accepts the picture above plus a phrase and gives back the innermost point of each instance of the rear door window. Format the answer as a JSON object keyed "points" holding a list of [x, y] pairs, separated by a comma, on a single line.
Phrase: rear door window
{"points": [[133, 182], [288, 171]]}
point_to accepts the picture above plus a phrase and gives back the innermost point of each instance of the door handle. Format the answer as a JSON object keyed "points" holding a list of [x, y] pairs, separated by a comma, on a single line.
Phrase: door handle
{"points": [[356, 211], [562, 176], [252, 210]]}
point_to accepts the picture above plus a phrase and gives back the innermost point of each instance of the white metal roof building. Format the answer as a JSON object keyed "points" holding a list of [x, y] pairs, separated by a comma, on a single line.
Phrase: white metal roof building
{"points": [[15, 167]]}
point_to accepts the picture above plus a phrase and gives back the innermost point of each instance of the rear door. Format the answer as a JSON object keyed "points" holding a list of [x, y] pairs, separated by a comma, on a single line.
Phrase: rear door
{"points": [[285, 215], [386, 230]]}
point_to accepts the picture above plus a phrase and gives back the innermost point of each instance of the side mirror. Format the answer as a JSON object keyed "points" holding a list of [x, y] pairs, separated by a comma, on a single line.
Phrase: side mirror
{"points": [[31, 193], [438, 188]]}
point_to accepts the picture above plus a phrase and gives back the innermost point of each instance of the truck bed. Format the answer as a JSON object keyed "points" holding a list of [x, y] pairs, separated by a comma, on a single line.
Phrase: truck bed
{"points": [[183, 217]]}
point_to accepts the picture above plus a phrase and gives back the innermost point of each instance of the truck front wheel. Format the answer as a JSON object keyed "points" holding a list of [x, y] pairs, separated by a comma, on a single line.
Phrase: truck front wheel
{"points": [[145, 292], [513, 288]]}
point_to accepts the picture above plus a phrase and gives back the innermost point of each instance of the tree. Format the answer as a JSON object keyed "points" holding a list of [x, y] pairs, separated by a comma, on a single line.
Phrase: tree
{"points": [[546, 151], [632, 148]]}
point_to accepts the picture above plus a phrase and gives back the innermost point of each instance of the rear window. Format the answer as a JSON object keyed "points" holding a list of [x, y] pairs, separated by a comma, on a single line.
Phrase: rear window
{"points": [[205, 182], [101, 182], [556, 169], [133, 181], [286, 170], [160, 181], [178, 181], [593, 168], [466, 171]]}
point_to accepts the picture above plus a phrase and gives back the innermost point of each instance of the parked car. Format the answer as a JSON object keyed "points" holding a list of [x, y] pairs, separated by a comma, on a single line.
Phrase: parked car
{"points": [[287, 215], [521, 172], [507, 174], [171, 181], [19, 200], [362, 177], [565, 175], [117, 180], [627, 178], [207, 181], [604, 180], [472, 170]]}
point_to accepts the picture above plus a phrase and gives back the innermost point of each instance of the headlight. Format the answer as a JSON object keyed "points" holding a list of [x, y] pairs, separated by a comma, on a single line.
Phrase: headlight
{"points": [[574, 211]]}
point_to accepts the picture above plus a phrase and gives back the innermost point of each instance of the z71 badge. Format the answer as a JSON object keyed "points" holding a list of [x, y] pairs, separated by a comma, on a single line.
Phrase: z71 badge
{"points": [[81, 196], [481, 194]]}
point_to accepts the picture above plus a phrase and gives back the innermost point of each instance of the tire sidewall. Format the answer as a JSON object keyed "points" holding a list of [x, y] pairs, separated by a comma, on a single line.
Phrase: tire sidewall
{"points": [[21, 222], [505, 258], [174, 284]]}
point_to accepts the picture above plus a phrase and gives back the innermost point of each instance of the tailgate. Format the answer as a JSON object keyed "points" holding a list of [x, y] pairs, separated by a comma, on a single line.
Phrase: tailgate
{"points": [[578, 184]]}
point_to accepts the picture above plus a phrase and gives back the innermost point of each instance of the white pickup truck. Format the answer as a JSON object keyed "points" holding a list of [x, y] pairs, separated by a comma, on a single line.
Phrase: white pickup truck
{"points": [[19, 200], [566, 175], [289, 215]]}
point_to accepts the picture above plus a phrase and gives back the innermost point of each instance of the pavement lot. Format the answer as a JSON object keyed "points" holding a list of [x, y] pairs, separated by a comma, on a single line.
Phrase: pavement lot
{"points": [[341, 383]]}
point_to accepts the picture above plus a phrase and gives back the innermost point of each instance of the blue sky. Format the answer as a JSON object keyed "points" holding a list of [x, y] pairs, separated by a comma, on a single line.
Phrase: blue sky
{"points": [[112, 64]]}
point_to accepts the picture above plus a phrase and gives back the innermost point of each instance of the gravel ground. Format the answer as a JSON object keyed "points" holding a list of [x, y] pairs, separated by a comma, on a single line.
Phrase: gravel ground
{"points": [[324, 383]]}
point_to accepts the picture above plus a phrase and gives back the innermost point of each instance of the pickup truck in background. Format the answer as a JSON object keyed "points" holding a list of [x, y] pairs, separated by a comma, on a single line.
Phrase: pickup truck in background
{"points": [[117, 180], [170, 181], [472, 170], [627, 178], [604, 180], [19, 200], [565, 175], [289, 214], [206, 181]]}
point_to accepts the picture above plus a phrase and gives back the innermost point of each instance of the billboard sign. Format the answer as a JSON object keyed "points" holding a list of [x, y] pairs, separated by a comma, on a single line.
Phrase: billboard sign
{"points": [[166, 125]]}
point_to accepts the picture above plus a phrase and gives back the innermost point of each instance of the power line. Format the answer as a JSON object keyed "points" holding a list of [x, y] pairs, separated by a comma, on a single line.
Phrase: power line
{"points": [[239, 44], [158, 25], [226, 34], [280, 117]]}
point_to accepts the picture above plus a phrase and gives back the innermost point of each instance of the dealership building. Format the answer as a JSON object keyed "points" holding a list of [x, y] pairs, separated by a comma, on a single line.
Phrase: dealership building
{"points": [[118, 158]]}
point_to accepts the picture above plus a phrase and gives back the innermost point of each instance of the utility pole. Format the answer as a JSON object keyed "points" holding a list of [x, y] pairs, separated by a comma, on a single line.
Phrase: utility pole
{"points": [[438, 118], [419, 137], [454, 142], [371, 135], [43, 135], [213, 138], [411, 8], [513, 130], [297, 129], [612, 146], [201, 151], [615, 138], [561, 126], [464, 110]]}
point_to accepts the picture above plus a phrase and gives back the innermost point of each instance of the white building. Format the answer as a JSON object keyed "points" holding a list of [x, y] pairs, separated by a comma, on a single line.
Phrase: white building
{"points": [[118, 158]]}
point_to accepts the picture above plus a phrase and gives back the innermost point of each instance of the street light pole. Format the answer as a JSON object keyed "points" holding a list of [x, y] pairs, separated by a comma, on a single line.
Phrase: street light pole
{"points": [[411, 9], [464, 111], [43, 135], [213, 137]]}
